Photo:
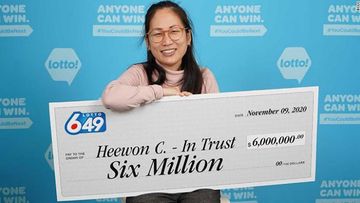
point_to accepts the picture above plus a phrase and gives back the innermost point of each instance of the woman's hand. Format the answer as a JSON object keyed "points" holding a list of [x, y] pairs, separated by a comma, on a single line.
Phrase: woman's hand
{"points": [[185, 93], [172, 91]]}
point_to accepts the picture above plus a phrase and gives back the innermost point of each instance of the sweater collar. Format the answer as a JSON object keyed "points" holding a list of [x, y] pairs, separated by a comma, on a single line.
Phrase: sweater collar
{"points": [[174, 78]]}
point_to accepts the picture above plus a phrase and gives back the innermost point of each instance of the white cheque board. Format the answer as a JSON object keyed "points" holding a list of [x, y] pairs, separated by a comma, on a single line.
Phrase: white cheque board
{"points": [[225, 140]]}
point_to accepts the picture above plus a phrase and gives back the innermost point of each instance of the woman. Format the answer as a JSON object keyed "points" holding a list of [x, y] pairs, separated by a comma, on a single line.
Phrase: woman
{"points": [[170, 69]]}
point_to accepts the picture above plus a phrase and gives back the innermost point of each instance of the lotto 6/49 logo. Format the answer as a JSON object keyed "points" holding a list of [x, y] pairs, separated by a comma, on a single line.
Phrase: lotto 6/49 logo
{"points": [[92, 122]]}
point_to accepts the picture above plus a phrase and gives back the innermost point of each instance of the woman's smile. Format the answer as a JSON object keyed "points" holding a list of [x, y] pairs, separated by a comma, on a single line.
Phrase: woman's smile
{"points": [[168, 52]]}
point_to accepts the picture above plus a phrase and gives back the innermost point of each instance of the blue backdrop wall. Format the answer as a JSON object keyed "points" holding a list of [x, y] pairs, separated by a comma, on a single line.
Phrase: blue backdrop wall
{"points": [[69, 50]]}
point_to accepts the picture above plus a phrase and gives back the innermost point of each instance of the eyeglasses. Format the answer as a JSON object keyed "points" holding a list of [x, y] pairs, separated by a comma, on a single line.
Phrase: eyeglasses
{"points": [[174, 33]]}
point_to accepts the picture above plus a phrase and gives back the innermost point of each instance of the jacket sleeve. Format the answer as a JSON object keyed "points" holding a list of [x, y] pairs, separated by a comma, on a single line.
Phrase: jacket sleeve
{"points": [[210, 84], [130, 90]]}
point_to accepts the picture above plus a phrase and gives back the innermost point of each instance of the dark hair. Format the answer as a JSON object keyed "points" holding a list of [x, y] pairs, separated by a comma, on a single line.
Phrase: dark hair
{"points": [[192, 80]]}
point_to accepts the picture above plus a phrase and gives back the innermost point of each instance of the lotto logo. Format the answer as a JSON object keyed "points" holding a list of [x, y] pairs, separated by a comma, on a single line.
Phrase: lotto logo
{"points": [[63, 64], [294, 63], [92, 122]]}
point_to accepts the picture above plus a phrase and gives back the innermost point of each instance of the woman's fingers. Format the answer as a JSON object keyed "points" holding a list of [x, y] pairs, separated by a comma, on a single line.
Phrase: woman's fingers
{"points": [[170, 91], [185, 93]]}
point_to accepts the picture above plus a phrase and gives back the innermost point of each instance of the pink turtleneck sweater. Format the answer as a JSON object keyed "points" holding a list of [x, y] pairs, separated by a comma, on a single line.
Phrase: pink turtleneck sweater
{"points": [[131, 89]]}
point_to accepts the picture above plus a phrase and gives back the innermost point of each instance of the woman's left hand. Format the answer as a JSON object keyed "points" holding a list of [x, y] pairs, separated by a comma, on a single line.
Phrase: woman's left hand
{"points": [[185, 94]]}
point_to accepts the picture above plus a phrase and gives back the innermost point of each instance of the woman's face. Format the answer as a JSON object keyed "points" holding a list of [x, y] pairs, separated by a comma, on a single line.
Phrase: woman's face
{"points": [[167, 39]]}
